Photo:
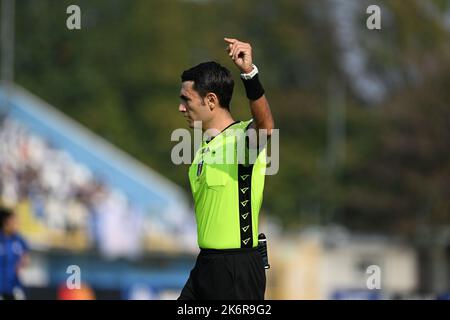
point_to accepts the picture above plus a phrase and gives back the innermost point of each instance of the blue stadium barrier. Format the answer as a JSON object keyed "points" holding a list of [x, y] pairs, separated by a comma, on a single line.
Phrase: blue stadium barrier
{"points": [[143, 186]]}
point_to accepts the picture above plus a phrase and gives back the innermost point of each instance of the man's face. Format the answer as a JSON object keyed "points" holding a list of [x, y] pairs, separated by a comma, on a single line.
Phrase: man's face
{"points": [[192, 106], [11, 225]]}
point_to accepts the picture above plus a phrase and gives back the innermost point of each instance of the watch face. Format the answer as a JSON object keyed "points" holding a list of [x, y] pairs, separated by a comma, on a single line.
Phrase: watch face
{"points": [[251, 74]]}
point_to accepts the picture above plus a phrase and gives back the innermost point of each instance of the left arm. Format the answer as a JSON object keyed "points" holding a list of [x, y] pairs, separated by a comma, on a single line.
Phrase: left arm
{"points": [[241, 53], [25, 258], [262, 116]]}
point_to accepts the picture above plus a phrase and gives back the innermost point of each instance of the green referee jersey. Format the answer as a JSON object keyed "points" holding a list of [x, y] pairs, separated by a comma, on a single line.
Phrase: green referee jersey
{"points": [[227, 193]]}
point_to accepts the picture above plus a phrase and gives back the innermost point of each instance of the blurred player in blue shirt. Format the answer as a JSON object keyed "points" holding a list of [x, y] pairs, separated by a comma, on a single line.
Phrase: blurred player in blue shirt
{"points": [[13, 255]]}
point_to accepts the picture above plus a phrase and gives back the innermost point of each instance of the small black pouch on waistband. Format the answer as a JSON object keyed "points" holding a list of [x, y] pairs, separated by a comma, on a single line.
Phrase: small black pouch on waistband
{"points": [[262, 248]]}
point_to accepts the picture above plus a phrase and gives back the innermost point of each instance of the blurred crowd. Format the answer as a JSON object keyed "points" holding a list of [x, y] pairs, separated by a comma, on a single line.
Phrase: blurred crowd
{"points": [[63, 196]]}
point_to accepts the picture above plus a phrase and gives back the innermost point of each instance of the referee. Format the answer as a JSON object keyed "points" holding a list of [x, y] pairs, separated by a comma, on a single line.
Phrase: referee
{"points": [[227, 194]]}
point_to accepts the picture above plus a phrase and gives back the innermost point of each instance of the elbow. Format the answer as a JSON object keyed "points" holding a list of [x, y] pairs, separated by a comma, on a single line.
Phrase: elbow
{"points": [[269, 127]]}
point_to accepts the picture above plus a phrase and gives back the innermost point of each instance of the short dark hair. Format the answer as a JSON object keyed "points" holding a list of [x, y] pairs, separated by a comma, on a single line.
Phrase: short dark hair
{"points": [[211, 77], [5, 214]]}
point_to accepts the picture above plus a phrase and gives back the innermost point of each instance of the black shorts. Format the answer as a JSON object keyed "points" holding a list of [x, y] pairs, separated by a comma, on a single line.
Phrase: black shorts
{"points": [[232, 274]]}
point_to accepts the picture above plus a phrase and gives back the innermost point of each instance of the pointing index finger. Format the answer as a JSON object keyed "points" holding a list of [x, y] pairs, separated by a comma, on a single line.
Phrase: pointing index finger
{"points": [[230, 40]]}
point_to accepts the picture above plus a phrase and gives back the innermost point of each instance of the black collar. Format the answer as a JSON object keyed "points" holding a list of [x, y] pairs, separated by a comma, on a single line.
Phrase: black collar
{"points": [[237, 121]]}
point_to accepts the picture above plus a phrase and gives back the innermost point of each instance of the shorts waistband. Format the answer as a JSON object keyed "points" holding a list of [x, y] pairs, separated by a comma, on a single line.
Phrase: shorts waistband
{"points": [[222, 251]]}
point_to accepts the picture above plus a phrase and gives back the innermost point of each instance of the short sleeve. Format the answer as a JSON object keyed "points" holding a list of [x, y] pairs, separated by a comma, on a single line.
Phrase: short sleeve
{"points": [[24, 243]]}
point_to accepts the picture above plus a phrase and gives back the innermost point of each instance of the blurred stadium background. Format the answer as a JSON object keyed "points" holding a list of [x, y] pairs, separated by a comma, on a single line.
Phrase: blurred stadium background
{"points": [[364, 118]]}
